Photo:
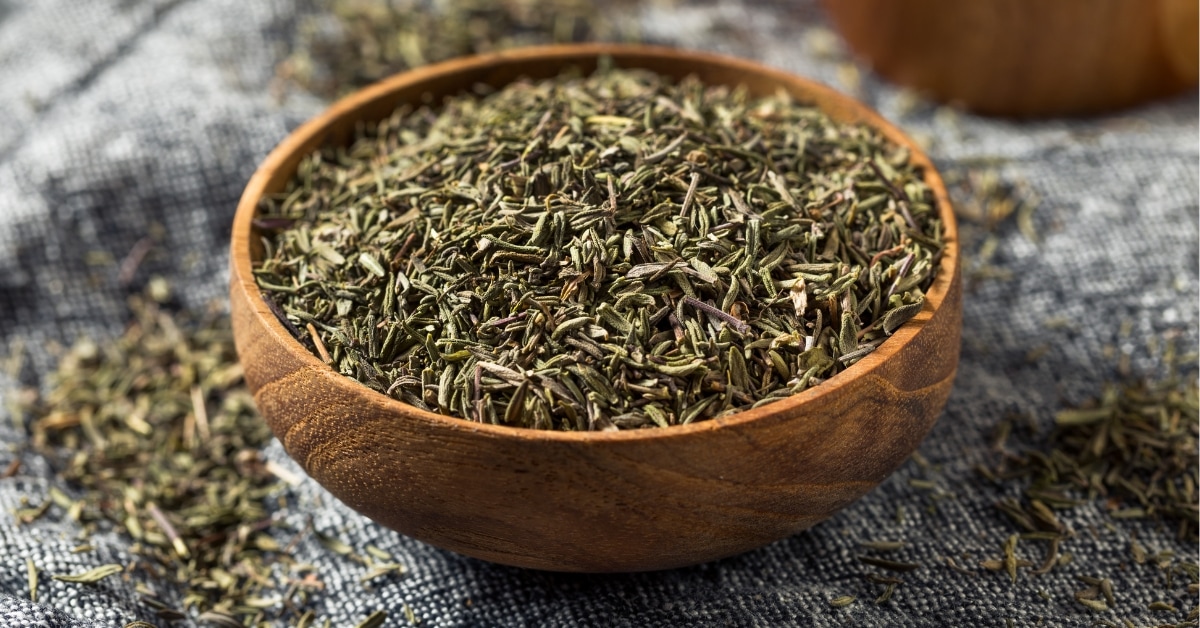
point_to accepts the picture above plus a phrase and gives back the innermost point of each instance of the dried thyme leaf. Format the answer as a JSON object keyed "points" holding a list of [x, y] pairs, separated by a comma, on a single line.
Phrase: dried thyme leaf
{"points": [[889, 583], [1139, 552], [1096, 605], [1010, 556], [374, 620], [334, 544], [32, 576], [91, 576], [381, 569], [842, 601]]}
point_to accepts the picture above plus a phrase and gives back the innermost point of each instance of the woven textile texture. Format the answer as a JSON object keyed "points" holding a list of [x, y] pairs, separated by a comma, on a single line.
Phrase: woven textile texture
{"points": [[127, 121]]}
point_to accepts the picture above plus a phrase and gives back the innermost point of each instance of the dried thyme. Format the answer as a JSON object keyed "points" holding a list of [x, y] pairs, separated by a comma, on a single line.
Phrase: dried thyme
{"points": [[347, 44], [599, 253], [156, 433]]}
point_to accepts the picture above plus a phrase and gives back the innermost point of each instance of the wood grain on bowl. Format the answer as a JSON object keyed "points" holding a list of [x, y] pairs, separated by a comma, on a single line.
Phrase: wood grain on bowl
{"points": [[1028, 57], [597, 501]]}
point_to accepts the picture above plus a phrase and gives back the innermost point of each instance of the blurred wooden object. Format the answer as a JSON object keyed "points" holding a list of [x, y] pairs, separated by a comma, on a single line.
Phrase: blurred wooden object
{"points": [[1028, 57]]}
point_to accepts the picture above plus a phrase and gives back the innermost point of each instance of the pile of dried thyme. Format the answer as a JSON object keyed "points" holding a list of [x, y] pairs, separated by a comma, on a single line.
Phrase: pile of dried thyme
{"points": [[369, 40], [157, 435], [987, 204], [1135, 449], [614, 251]]}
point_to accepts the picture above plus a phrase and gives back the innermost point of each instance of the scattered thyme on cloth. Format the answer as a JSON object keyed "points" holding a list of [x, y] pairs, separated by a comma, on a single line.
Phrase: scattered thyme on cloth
{"points": [[157, 434]]}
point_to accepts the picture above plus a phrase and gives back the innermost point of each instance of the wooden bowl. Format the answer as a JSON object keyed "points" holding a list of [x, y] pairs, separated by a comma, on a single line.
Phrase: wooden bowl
{"points": [[593, 502], [1028, 57]]}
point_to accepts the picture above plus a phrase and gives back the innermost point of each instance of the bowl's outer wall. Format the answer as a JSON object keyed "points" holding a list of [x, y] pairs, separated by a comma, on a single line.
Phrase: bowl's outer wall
{"points": [[628, 501]]}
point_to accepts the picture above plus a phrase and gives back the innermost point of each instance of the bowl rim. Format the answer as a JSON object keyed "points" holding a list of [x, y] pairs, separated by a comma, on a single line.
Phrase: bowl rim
{"points": [[845, 108]]}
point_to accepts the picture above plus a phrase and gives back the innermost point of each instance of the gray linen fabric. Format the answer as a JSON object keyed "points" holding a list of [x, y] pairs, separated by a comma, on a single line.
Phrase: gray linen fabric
{"points": [[122, 120]]}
